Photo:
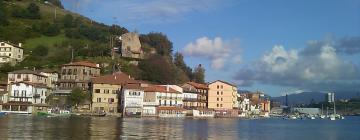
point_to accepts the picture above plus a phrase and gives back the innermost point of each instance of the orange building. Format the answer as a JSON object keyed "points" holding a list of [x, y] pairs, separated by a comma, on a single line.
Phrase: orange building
{"points": [[222, 95]]}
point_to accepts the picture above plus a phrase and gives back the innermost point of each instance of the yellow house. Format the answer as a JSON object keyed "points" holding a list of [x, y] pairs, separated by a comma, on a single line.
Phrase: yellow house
{"points": [[106, 90], [222, 95]]}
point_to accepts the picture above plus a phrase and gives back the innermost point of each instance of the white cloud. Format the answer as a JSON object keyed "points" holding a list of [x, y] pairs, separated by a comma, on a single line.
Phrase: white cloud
{"points": [[315, 67], [216, 50]]}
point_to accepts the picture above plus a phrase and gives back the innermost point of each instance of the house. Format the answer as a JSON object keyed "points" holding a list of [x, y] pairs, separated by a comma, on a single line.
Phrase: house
{"points": [[195, 95], [26, 97], [132, 96], [265, 108], [52, 77], [78, 74], [106, 91], [26, 76], [158, 96], [131, 46], [11, 53], [222, 97]]}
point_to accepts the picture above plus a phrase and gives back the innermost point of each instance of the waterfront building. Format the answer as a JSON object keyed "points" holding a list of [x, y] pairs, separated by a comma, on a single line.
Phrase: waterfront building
{"points": [[195, 95], [78, 74], [106, 90], [222, 97], [244, 106], [158, 95], [265, 108], [132, 96], [11, 53], [171, 111], [26, 97]]}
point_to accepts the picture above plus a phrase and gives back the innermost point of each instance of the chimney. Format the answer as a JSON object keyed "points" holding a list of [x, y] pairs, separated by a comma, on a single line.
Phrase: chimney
{"points": [[167, 88], [20, 45]]}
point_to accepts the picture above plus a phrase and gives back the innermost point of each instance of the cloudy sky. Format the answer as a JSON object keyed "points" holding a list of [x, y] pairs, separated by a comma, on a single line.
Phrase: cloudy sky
{"points": [[273, 46]]}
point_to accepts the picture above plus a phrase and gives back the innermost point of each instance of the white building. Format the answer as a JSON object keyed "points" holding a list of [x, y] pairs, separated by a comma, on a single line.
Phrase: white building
{"points": [[156, 96], [10, 53], [24, 96], [330, 97], [52, 77], [132, 97]]}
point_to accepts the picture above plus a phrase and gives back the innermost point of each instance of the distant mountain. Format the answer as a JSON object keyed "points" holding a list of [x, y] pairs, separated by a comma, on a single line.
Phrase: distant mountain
{"points": [[307, 97]]}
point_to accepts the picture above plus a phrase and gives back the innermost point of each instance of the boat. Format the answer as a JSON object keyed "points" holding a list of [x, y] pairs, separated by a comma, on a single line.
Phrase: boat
{"points": [[332, 117], [52, 113], [3, 113]]}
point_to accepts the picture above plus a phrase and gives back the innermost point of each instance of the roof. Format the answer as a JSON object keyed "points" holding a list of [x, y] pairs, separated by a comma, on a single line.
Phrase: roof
{"points": [[134, 86], [158, 88], [198, 85], [83, 63], [47, 71], [223, 82], [12, 44], [118, 78], [27, 72], [40, 85]]}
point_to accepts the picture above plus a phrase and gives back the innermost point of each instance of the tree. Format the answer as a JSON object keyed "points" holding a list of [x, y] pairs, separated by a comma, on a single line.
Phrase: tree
{"points": [[52, 30], [33, 11], [159, 41], [68, 21], [180, 63], [3, 17], [199, 74], [157, 69], [40, 51], [76, 97]]}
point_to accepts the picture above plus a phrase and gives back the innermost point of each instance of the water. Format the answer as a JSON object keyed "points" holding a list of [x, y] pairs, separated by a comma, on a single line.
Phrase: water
{"points": [[29, 127]]}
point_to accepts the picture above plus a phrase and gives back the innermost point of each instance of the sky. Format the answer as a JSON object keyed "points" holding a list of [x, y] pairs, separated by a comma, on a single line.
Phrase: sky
{"points": [[275, 46]]}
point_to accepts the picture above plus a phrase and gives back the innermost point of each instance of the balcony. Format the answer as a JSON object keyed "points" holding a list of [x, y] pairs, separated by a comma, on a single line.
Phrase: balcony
{"points": [[36, 95]]}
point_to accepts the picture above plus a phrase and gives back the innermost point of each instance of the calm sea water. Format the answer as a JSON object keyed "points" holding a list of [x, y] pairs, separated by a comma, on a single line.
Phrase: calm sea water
{"points": [[29, 127]]}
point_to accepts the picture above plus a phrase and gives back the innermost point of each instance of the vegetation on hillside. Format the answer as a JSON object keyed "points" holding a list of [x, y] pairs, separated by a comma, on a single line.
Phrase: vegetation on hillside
{"points": [[50, 38]]}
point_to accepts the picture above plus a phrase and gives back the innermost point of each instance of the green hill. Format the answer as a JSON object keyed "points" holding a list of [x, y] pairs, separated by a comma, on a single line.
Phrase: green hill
{"points": [[50, 34]]}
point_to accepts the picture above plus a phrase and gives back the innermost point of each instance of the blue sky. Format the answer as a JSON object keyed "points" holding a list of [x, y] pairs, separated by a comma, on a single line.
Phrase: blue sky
{"points": [[245, 41]]}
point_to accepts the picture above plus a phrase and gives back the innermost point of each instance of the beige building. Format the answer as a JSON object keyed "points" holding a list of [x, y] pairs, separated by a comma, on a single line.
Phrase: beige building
{"points": [[222, 95], [106, 90], [131, 46], [26, 76], [78, 74], [11, 53], [195, 95]]}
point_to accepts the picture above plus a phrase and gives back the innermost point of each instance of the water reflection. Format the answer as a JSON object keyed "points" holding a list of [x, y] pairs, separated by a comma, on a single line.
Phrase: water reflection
{"points": [[94, 128]]}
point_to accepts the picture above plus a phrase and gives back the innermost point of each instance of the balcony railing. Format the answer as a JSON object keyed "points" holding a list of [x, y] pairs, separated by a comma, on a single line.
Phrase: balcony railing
{"points": [[36, 95]]}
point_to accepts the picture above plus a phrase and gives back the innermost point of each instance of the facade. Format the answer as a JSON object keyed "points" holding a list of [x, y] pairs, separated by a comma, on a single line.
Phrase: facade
{"points": [[222, 95], [52, 78], [106, 90], [132, 97], [330, 97], [26, 97], [78, 74], [26, 76], [157, 95], [131, 46], [11, 53], [195, 95]]}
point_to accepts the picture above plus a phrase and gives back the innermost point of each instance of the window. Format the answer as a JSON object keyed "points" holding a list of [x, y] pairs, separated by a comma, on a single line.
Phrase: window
{"points": [[113, 91], [16, 93], [217, 99], [221, 99], [97, 90], [2, 44], [217, 86], [165, 102], [220, 105], [221, 93], [159, 102], [18, 76], [98, 100], [217, 105], [75, 72], [217, 93]]}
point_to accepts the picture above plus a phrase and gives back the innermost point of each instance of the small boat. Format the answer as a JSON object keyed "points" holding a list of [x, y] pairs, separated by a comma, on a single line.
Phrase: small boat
{"points": [[332, 117], [322, 116], [3, 113]]}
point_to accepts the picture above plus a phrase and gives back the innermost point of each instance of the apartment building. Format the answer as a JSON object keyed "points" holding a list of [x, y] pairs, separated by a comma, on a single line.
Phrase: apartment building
{"points": [[11, 53], [106, 92], [78, 74], [222, 95], [195, 95], [131, 101]]}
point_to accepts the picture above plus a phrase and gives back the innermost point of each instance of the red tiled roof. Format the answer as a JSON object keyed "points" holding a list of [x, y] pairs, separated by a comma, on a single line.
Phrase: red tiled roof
{"points": [[198, 85], [134, 86], [115, 79], [158, 88], [83, 63]]}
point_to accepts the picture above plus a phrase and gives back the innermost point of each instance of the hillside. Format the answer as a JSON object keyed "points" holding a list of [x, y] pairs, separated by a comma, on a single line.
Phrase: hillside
{"points": [[50, 34]]}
